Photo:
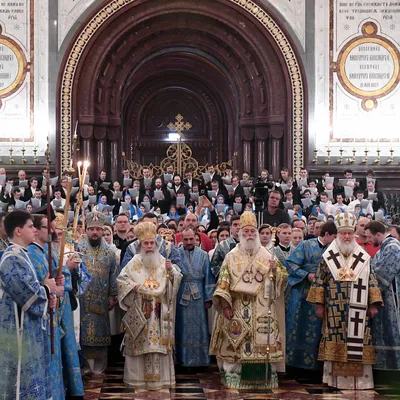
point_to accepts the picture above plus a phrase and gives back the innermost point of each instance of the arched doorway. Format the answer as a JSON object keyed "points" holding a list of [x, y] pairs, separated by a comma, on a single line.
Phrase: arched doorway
{"points": [[227, 63]]}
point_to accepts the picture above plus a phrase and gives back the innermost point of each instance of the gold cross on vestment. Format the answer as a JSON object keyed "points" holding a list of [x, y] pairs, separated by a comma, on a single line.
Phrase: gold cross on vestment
{"points": [[179, 126]]}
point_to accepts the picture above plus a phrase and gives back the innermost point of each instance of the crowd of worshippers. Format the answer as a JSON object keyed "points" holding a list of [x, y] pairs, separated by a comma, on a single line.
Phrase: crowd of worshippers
{"points": [[310, 290], [171, 196]]}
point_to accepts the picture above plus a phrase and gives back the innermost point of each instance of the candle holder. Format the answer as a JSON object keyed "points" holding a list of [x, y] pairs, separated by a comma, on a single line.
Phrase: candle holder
{"points": [[328, 160], [365, 161], [23, 160], [353, 160], [378, 158], [390, 159], [315, 159], [35, 158], [12, 161], [340, 160]]}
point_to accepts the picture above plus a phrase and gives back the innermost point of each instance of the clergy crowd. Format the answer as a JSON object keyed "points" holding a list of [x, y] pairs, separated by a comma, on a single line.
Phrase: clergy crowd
{"points": [[270, 278]]}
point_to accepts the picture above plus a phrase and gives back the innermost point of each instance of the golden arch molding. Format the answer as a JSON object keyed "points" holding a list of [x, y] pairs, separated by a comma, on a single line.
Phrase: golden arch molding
{"points": [[115, 6]]}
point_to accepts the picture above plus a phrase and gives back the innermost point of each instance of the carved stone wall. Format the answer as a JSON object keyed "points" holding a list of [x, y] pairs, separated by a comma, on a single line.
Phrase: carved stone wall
{"points": [[254, 70]]}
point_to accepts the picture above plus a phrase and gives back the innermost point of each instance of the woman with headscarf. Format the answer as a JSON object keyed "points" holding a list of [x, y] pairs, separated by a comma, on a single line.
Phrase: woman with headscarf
{"points": [[131, 211]]}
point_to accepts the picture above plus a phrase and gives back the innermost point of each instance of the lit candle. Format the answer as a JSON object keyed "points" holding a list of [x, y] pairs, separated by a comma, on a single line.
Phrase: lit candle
{"points": [[79, 173]]}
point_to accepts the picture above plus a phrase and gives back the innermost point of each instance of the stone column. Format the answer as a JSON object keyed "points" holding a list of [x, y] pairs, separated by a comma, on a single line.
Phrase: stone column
{"points": [[101, 157], [261, 134], [247, 138], [247, 156], [86, 149], [115, 149], [276, 134]]}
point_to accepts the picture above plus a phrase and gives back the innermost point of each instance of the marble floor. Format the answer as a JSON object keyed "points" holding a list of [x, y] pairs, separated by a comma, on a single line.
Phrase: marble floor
{"points": [[207, 385]]}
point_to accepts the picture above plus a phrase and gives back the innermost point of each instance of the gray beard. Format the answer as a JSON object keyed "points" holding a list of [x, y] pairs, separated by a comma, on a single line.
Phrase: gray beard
{"points": [[149, 260], [250, 245], [346, 248]]}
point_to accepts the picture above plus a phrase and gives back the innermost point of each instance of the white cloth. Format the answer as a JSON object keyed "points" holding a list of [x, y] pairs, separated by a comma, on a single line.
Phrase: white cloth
{"points": [[76, 315], [348, 382], [98, 365], [140, 370]]}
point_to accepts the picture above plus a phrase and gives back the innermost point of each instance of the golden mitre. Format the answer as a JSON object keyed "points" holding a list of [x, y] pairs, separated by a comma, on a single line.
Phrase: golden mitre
{"points": [[248, 219], [145, 230], [59, 221]]}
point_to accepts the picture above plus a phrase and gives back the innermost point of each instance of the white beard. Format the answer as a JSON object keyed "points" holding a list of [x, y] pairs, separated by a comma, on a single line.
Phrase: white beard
{"points": [[346, 248], [150, 260], [250, 245]]}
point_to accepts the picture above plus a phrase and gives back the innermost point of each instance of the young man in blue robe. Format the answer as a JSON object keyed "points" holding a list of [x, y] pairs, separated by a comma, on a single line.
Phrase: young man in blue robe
{"points": [[39, 259], [69, 349], [24, 302], [386, 325], [194, 298], [303, 328]]}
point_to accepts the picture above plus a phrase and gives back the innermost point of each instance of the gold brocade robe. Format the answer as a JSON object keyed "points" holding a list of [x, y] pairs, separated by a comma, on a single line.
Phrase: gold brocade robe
{"points": [[245, 285], [150, 311]]}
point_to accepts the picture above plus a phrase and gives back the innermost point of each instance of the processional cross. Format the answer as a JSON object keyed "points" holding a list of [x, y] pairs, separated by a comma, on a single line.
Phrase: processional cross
{"points": [[179, 126]]}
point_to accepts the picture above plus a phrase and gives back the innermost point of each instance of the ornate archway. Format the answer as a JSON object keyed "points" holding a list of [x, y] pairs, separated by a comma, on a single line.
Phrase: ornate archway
{"points": [[231, 55]]}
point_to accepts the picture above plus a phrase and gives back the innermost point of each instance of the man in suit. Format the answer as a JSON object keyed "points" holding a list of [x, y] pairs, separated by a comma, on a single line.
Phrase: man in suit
{"points": [[100, 180], [216, 187], [214, 176], [165, 197], [145, 188], [170, 170], [237, 191], [125, 175], [189, 181], [379, 203], [30, 191], [179, 187]]}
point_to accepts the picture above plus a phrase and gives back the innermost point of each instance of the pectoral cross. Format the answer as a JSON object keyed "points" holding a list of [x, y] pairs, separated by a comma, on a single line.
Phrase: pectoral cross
{"points": [[357, 258], [360, 287], [334, 257], [357, 321]]}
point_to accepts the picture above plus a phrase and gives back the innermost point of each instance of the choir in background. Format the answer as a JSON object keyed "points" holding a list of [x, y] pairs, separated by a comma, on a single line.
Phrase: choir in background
{"points": [[291, 277]]}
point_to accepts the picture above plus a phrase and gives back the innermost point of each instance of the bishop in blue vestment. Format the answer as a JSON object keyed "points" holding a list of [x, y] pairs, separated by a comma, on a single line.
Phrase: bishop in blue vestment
{"points": [[386, 324], [194, 297], [303, 328]]}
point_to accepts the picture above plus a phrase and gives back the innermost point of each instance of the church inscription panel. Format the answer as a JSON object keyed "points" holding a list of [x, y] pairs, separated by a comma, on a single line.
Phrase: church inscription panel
{"points": [[16, 66], [364, 71]]}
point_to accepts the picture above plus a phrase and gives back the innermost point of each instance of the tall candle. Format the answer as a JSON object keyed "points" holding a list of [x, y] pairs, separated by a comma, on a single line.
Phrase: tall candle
{"points": [[79, 173], [354, 143], [11, 143]]}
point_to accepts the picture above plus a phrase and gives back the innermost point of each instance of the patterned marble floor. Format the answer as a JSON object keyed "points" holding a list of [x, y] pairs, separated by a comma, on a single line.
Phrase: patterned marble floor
{"points": [[208, 386]]}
